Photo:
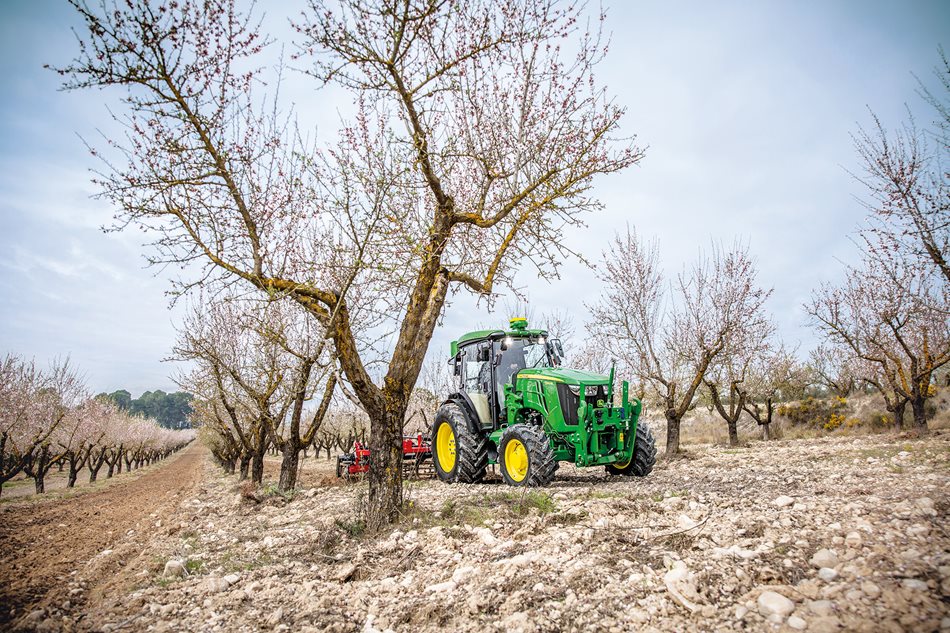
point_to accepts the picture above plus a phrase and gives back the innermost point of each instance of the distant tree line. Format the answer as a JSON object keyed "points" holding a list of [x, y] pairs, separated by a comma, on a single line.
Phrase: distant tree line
{"points": [[171, 410]]}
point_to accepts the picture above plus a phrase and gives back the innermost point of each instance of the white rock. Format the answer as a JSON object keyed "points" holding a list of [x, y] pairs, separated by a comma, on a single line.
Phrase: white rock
{"points": [[214, 584], [276, 617], [442, 587], [175, 569], [827, 574], [870, 589], [913, 583], [824, 558], [485, 536], [462, 573], [734, 551], [822, 608], [232, 579], [781, 502], [771, 603], [684, 522], [680, 585], [853, 539], [741, 611], [918, 530], [797, 623]]}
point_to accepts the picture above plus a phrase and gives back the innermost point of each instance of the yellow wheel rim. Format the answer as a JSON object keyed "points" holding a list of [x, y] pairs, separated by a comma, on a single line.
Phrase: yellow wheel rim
{"points": [[445, 447], [623, 465], [516, 460]]}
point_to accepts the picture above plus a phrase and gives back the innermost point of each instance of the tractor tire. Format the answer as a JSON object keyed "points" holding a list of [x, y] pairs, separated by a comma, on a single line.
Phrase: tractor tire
{"points": [[644, 455], [526, 457], [459, 454]]}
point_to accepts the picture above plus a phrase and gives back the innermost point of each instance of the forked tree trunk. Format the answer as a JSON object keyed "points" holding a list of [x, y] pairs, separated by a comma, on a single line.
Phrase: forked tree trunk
{"points": [[75, 465], [672, 433], [918, 405], [733, 432], [289, 466], [897, 411], [257, 462], [38, 468], [385, 471], [245, 464]]}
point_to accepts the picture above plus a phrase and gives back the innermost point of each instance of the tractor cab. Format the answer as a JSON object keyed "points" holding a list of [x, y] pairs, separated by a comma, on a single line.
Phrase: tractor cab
{"points": [[485, 361]]}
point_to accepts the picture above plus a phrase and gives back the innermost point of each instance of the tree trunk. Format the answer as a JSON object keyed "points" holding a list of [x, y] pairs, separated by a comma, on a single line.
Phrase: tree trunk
{"points": [[74, 468], [385, 471], [898, 412], [257, 462], [245, 464], [918, 406], [288, 466], [767, 425], [733, 432], [111, 470], [672, 433]]}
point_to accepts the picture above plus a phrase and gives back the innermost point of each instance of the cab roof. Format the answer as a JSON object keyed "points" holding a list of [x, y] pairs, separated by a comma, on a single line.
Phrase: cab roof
{"points": [[518, 329]]}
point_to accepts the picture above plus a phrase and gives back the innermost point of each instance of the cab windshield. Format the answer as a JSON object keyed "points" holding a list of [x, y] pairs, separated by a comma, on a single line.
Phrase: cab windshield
{"points": [[521, 353]]}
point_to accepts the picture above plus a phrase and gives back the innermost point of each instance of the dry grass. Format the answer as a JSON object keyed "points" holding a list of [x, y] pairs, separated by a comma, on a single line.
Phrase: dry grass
{"points": [[866, 415]]}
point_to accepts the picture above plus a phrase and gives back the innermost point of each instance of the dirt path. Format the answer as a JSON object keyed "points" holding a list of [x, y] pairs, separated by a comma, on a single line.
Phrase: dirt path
{"points": [[67, 552]]}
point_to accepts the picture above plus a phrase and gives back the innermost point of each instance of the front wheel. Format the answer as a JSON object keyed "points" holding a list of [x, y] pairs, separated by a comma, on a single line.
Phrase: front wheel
{"points": [[643, 458], [526, 456], [458, 453]]}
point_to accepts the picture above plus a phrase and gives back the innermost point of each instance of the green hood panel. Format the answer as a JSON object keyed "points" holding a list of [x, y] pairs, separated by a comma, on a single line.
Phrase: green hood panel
{"points": [[564, 375]]}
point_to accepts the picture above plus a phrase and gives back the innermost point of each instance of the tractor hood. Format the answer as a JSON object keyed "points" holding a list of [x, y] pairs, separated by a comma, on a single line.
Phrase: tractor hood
{"points": [[564, 375]]}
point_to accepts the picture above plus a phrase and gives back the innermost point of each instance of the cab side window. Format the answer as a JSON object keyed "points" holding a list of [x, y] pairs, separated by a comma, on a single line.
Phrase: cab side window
{"points": [[476, 375]]}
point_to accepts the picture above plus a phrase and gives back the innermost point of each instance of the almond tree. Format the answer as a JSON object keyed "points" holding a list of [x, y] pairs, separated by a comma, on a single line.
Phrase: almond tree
{"points": [[892, 313], [82, 432], [668, 335], [33, 406], [906, 174], [835, 368], [479, 127], [773, 377], [726, 376], [265, 358], [895, 403]]}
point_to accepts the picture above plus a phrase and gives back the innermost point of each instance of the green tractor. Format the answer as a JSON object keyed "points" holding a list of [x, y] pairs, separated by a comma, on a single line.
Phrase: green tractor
{"points": [[517, 407]]}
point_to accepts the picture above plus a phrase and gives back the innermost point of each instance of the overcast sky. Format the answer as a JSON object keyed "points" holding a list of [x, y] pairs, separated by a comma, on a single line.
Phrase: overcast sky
{"points": [[746, 109]]}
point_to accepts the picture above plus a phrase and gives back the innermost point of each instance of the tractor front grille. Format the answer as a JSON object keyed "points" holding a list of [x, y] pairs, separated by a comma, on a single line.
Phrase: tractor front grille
{"points": [[569, 404]]}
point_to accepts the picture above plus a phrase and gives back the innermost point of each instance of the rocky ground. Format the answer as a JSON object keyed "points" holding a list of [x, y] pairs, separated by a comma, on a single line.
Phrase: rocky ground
{"points": [[818, 535]]}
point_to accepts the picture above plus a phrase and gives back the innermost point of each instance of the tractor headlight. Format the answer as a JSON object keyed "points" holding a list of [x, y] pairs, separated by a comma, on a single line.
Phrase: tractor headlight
{"points": [[575, 389], [591, 390]]}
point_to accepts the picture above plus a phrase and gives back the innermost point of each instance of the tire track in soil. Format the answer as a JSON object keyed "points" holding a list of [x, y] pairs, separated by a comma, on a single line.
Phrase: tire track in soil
{"points": [[46, 546]]}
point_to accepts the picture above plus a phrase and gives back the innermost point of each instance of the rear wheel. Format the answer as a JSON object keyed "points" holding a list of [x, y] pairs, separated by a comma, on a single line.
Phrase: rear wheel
{"points": [[526, 456], [458, 454], [644, 455]]}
